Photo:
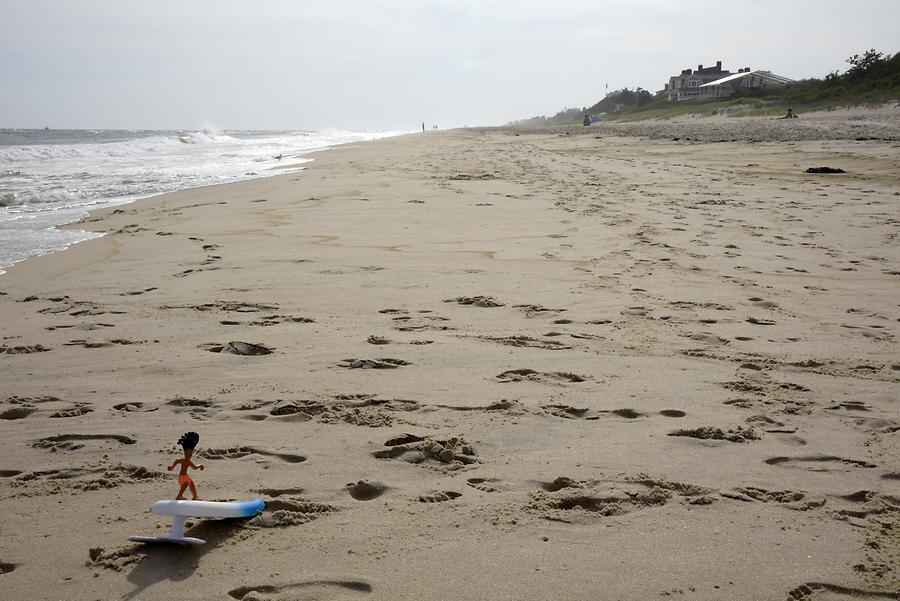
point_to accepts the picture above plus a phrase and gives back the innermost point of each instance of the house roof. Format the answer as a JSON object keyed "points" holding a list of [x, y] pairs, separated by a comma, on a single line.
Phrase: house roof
{"points": [[764, 75], [699, 75]]}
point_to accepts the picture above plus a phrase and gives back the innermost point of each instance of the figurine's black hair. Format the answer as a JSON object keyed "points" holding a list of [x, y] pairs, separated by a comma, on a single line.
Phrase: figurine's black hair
{"points": [[189, 440]]}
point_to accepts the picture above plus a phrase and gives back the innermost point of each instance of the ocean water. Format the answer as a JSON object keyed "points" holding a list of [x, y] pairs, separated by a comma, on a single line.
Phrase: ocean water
{"points": [[52, 177]]}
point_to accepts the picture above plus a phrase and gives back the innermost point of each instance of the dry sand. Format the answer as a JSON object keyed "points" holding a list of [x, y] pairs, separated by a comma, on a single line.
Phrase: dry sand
{"points": [[540, 364]]}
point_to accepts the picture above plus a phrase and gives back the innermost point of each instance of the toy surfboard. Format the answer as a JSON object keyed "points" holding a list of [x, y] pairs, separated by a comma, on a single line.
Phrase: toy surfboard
{"points": [[181, 510]]}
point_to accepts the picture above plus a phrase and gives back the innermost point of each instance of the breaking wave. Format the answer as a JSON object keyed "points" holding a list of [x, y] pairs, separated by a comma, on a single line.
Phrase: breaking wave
{"points": [[60, 174]]}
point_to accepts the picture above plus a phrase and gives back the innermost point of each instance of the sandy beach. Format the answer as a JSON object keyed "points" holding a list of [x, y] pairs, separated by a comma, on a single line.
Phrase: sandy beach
{"points": [[625, 362]]}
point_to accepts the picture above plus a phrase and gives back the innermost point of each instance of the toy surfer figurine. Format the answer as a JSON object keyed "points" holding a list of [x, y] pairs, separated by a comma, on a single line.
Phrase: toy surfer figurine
{"points": [[188, 442]]}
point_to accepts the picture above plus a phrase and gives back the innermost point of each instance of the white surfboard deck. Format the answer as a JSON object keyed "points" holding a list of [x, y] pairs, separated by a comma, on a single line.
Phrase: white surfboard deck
{"points": [[209, 509], [180, 510]]}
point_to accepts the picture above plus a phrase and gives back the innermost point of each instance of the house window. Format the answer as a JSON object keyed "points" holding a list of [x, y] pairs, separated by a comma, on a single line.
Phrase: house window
{"points": [[693, 83]]}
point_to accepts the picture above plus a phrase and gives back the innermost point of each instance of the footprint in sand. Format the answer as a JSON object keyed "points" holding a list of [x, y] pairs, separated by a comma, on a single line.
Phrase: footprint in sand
{"points": [[403, 439], [438, 496], [764, 304], [872, 332], [738, 434], [298, 591], [501, 405], [573, 506], [450, 453], [277, 492], [70, 480], [811, 591], [559, 483], [92, 344], [254, 417], [569, 412], [579, 336], [819, 463], [554, 377], [30, 402], [868, 503], [792, 499], [272, 320], [672, 413], [627, 413], [135, 407], [252, 405], [17, 413], [197, 408], [698, 495], [485, 484], [137, 292], [282, 513], [77, 410], [238, 348], [383, 363], [408, 323], [358, 410], [476, 301], [769, 425], [850, 406], [71, 442], [238, 452], [24, 350], [743, 386], [84, 327], [708, 338], [525, 342], [536, 310], [228, 306], [189, 402], [6, 567], [366, 491], [761, 322]]}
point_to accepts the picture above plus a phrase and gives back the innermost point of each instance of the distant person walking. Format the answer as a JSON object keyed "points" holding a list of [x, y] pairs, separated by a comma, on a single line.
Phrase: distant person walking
{"points": [[423, 127]]}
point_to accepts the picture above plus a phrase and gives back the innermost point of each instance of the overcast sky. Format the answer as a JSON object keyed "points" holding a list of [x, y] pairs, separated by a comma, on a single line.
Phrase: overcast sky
{"points": [[373, 64]]}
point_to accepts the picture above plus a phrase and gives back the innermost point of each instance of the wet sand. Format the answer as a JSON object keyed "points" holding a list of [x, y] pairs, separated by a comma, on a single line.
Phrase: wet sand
{"points": [[559, 363]]}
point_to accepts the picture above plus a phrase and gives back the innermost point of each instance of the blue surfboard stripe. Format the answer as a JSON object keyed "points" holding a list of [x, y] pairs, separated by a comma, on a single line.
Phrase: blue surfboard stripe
{"points": [[248, 508]]}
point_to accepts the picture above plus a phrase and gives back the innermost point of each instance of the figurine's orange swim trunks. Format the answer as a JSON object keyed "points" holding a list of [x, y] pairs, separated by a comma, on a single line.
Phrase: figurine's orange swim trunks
{"points": [[184, 479]]}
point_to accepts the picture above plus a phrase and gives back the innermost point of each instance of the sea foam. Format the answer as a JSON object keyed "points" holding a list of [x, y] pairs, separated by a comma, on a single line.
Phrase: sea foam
{"points": [[51, 177]]}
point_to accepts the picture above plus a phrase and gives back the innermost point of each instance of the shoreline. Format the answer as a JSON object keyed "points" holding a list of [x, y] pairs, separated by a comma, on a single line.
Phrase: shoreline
{"points": [[43, 224], [538, 360]]}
